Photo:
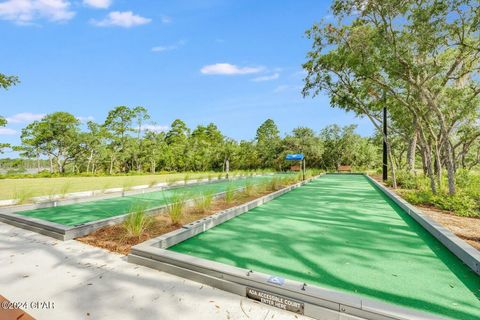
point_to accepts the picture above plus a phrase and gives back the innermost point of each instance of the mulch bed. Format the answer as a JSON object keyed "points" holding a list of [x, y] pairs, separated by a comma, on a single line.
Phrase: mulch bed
{"points": [[116, 239], [465, 228]]}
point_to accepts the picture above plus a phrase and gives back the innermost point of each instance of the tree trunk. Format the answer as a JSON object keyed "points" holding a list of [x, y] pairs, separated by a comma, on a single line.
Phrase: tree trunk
{"points": [[51, 163], [392, 165], [89, 160], [111, 165], [412, 147], [438, 167], [61, 166], [450, 168], [427, 160], [446, 141]]}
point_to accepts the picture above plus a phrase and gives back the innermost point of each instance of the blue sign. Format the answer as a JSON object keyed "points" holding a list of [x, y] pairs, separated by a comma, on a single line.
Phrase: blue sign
{"points": [[297, 156], [276, 280]]}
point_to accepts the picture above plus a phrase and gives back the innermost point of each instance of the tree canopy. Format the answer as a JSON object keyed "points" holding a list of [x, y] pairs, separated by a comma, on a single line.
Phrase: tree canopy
{"points": [[419, 59], [123, 143]]}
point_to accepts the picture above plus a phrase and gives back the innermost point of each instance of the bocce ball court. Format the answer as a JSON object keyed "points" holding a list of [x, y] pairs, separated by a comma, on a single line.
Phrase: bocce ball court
{"points": [[69, 221], [338, 237]]}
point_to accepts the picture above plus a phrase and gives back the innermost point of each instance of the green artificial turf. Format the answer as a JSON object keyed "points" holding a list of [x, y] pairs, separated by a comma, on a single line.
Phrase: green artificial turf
{"points": [[75, 214], [340, 232]]}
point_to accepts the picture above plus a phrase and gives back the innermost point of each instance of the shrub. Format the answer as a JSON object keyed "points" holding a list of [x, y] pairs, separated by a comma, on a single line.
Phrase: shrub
{"points": [[229, 194], [65, 188], [417, 197], [153, 183], [406, 180], [171, 181], [204, 202], [22, 196], [176, 207], [274, 184], [461, 204], [262, 186], [137, 221], [249, 189]]}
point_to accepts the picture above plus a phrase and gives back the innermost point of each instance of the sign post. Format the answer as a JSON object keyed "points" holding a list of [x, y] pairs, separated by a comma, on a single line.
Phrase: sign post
{"points": [[298, 157]]}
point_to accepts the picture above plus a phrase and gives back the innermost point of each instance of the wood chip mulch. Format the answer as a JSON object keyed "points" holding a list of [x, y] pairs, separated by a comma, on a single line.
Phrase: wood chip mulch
{"points": [[115, 238]]}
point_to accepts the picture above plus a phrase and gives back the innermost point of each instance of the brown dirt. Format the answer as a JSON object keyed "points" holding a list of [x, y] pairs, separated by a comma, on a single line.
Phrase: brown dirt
{"points": [[465, 228], [115, 238]]}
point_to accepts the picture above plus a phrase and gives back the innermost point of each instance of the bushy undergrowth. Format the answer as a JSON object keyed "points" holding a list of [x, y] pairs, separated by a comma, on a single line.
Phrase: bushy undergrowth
{"points": [[204, 202], [466, 202], [22, 196], [176, 207], [229, 194], [274, 184], [137, 221], [249, 189]]}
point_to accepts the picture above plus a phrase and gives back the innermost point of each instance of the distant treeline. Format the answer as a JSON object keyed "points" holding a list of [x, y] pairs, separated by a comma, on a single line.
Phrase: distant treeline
{"points": [[127, 142], [9, 165]]}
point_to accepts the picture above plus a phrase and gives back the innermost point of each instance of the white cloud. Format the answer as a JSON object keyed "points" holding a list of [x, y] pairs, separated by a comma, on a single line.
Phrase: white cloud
{"points": [[25, 11], [286, 87], [229, 69], [267, 78], [85, 119], [24, 117], [155, 128], [124, 19], [8, 132], [100, 4], [169, 47], [166, 19]]}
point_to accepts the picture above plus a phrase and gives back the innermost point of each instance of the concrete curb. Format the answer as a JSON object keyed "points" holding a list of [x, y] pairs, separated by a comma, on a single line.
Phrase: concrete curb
{"points": [[317, 302], [465, 252]]}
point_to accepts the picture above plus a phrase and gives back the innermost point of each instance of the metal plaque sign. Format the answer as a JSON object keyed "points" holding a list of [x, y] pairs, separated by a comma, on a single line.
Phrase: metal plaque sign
{"points": [[275, 300], [276, 280]]}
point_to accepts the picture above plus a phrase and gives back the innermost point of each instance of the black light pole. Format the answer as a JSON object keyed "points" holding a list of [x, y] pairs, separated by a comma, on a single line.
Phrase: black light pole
{"points": [[385, 155]]}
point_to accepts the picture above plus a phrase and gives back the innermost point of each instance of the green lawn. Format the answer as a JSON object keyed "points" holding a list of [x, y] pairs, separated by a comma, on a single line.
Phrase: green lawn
{"points": [[12, 188], [340, 232]]}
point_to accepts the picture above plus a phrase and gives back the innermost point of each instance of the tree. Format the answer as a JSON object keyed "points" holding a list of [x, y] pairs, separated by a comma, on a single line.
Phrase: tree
{"points": [[421, 59], [268, 143], [5, 83], [118, 125], [95, 145], [3, 123], [304, 140], [8, 81], [205, 145], [177, 140], [154, 149], [141, 115], [57, 136]]}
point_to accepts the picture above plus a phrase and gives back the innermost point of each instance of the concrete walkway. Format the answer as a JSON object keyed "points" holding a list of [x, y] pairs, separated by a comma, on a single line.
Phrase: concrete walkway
{"points": [[85, 282]]}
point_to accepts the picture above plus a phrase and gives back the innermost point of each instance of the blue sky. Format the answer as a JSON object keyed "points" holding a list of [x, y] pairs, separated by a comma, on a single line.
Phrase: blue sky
{"points": [[234, 63]]}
